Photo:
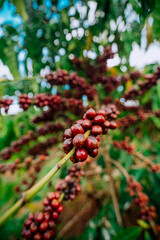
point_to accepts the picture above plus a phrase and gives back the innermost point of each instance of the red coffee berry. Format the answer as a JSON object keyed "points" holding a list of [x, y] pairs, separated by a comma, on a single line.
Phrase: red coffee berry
{"points": [[57, 195], [55, 215], [90, 114], [33, 227], [76, 129], [93, 153], [81, 154], [28, 234], [91, 143], [46, 202], [79, 140], [101, 112], [78, 188], [55, 203], [106, 124], [27, 223], [60, 209], [86, 124], [50, 195], [72, 196], [39, 217], [46, 216], [37, 236], [51, 224], [67, 145], [47, 235], [98, 138], [68, 133], [113, 125], [99, 120], [96, 130], [44, 226]]}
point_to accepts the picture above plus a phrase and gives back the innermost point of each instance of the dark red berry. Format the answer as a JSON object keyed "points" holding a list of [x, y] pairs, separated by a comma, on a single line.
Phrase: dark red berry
{"points": [[78, 188], [46, 216], [98, 138], [37, 236], [99, 120], [96, 130], [60, 209], [76, 129], [57, 195], [27, 223], [31, 216], [51, 224], [92, 143], [106, 124], [79, 140], [39, 217], [113, 125], [80, 121], [67, 145], [101, 112], [55, 215], [33, 227], [72, 196], [43, 226], [28, 234], [81, 154], [55, 203], [90, 114], [86, 124], [93, 153], [68, 133], [50, 195], [46, 202]]}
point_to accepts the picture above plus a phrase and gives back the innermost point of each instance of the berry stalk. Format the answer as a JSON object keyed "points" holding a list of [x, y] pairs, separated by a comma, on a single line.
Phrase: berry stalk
{"points": [[30, 193]]}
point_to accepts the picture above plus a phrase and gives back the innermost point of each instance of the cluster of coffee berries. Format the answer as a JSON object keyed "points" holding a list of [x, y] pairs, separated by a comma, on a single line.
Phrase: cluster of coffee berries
{"points": [[123, 145], [143, 86], [127, 121], [70, 186], [60, 77], [141, 199], [135, 75], [41, 225], [111, 111], [5, 103], [10, 167], [41, 148], [24, 101], [97, 124], [81, 87], [16, 146]]}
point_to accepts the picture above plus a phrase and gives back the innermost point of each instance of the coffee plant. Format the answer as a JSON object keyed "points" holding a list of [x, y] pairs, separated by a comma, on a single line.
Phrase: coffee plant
{"points": [[79, 144]]}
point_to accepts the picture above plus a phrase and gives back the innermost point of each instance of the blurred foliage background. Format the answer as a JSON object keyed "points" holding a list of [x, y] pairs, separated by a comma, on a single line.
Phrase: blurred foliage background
{"points": [[36, 36]]}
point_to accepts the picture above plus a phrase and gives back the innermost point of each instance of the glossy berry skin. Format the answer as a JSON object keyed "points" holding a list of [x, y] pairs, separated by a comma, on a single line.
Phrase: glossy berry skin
{"points": [[113, 125], [67, 145], [46, 216], [51, 224], [106, 124], [50, 195], [60, 209], [102, 112], [86, 124], [76, 129], [68, 133], [98, 138], [37, 236], [79, 140], [90, 114], [55, 203], [93, 153], [33, 227], [99, 120], [39, 217], [91, 143], [28, 234], [96, 130], [81, 154], [43, 226], [55, 215]]}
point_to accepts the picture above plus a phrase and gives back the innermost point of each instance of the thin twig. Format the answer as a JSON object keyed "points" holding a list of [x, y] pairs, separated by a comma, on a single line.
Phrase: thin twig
{"points": [[111, 182]]}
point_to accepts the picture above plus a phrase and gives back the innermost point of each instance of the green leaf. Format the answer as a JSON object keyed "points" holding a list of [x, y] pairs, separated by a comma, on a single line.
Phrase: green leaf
{"points": [[131, 233], [21, 10], [147, 236]]}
